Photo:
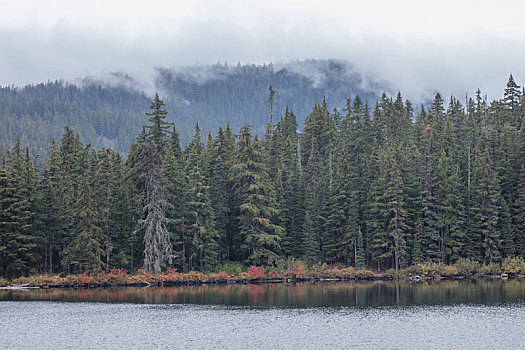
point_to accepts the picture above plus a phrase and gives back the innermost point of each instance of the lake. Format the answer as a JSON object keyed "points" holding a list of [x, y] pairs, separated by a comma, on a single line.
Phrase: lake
{"points": [[465, 314]]}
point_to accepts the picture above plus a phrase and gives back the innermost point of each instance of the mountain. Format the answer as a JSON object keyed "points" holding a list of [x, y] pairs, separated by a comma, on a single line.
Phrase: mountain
{"points": [[110, 114]]}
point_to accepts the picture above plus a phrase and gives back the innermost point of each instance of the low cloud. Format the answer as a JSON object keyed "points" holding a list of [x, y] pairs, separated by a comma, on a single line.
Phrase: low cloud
{"points": [[402, 47]]}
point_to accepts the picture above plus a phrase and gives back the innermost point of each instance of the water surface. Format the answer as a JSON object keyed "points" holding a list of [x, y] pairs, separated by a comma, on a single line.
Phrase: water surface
{"points": [[445, 315], [327, 294]]}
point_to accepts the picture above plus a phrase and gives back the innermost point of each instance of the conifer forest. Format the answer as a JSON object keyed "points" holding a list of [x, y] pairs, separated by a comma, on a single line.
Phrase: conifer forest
{"points": [[384, 185]]}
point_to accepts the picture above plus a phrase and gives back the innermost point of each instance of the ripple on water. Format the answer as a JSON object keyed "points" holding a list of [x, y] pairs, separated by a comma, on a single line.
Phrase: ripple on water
{"points": [[46, 325]]}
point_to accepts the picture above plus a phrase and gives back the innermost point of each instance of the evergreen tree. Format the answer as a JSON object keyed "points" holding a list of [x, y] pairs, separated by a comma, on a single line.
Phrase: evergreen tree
{"points": [[158, 131], [157, 244], [487, 209], [88, 249], [200, 215], [261, 236]]}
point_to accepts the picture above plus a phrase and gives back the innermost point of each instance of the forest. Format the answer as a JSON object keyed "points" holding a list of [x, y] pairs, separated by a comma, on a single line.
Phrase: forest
{"points": [[109, 112], [382, 187]]}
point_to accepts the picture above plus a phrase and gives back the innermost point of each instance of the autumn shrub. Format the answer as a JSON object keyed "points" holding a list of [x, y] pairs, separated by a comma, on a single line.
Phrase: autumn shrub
{"points": [[331, 272], [231, 268], [172, 274], [466, 267], [192, 276], [296, 269], [113, 276], [364, 273], [347, 272], [40, 280], [3, 282], [255, 272], [429, 269], [222, 275], [317, 270], [490, 269], [243, 276], [23, 280], [447, 270], [515, 265], [81, 279], [414, 270], [219, 276], [391, 273], [141, 276], [273, 274]]}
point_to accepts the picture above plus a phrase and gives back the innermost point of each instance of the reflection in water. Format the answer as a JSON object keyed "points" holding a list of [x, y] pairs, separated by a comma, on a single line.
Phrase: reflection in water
{"points": [[379, 293]]}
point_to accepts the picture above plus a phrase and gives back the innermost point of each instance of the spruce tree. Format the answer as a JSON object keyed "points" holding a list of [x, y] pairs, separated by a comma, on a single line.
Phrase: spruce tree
{"points": [[200, 215], [157, 244], [261, 237]]}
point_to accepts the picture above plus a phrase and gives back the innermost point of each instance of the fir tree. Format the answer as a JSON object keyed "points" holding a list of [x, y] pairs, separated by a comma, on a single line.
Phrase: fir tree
{"points": [[261, 236]]}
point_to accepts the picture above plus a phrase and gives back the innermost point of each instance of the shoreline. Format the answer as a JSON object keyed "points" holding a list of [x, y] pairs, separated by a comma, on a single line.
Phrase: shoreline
{"points": [[236, 281]]}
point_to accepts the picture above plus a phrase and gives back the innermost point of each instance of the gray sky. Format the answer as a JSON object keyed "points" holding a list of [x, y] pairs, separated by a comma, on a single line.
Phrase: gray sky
{"points": [[418, 46]]}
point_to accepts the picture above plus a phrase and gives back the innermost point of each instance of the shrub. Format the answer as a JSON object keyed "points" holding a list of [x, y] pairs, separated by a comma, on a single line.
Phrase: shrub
{"points": [[114, 276], [219, 276], [347, 272], [243, 276], [81, 279], [3, 282], [256, 272], [466, 267], [447, 270], [192, 276], [364, 273], [273, 274], [412, 270], [231, 267], [393, 273], [514, 265], [490, 269], [296, 269]]}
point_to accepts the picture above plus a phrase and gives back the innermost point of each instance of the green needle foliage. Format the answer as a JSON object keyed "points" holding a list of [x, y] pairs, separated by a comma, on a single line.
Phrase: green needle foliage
{"points": [[386, 189]]}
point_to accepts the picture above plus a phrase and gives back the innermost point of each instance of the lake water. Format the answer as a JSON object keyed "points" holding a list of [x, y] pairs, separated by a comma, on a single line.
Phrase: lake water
{"points": [[371, 315]]}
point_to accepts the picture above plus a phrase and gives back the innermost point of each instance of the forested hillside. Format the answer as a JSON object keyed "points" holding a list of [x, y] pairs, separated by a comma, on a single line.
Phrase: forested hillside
{"points": [[111, 115], [383, 187]]}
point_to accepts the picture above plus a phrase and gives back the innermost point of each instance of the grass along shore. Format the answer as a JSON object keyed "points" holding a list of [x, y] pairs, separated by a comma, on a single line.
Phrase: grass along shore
{"points": [[295, 271]]}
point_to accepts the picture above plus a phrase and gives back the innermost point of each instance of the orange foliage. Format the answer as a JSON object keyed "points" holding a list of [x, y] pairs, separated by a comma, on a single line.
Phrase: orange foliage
{"points": [[256, 272]]}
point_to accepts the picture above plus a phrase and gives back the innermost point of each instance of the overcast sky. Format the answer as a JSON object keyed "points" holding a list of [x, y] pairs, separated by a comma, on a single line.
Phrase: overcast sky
{"points": [[418, 46]]}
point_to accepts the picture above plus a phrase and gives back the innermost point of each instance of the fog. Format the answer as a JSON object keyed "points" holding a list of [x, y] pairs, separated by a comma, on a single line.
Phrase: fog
{"points": [[417, 47]]}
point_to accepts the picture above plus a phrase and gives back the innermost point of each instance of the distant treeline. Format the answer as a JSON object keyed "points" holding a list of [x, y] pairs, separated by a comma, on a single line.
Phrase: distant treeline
{"points": [[383, 188], [111, 115]]}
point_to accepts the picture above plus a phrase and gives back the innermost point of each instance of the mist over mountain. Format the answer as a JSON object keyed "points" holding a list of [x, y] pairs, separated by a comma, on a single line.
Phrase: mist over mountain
{"points": [[110, 112]]}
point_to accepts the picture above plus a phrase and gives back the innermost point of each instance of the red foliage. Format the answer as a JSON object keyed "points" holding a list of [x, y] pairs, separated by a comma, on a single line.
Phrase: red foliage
{"points": [[272, 274], [146, 275], [117, 275], [172, 274], [223, 275], [256, 272], [295, 269], [83, 278]]}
